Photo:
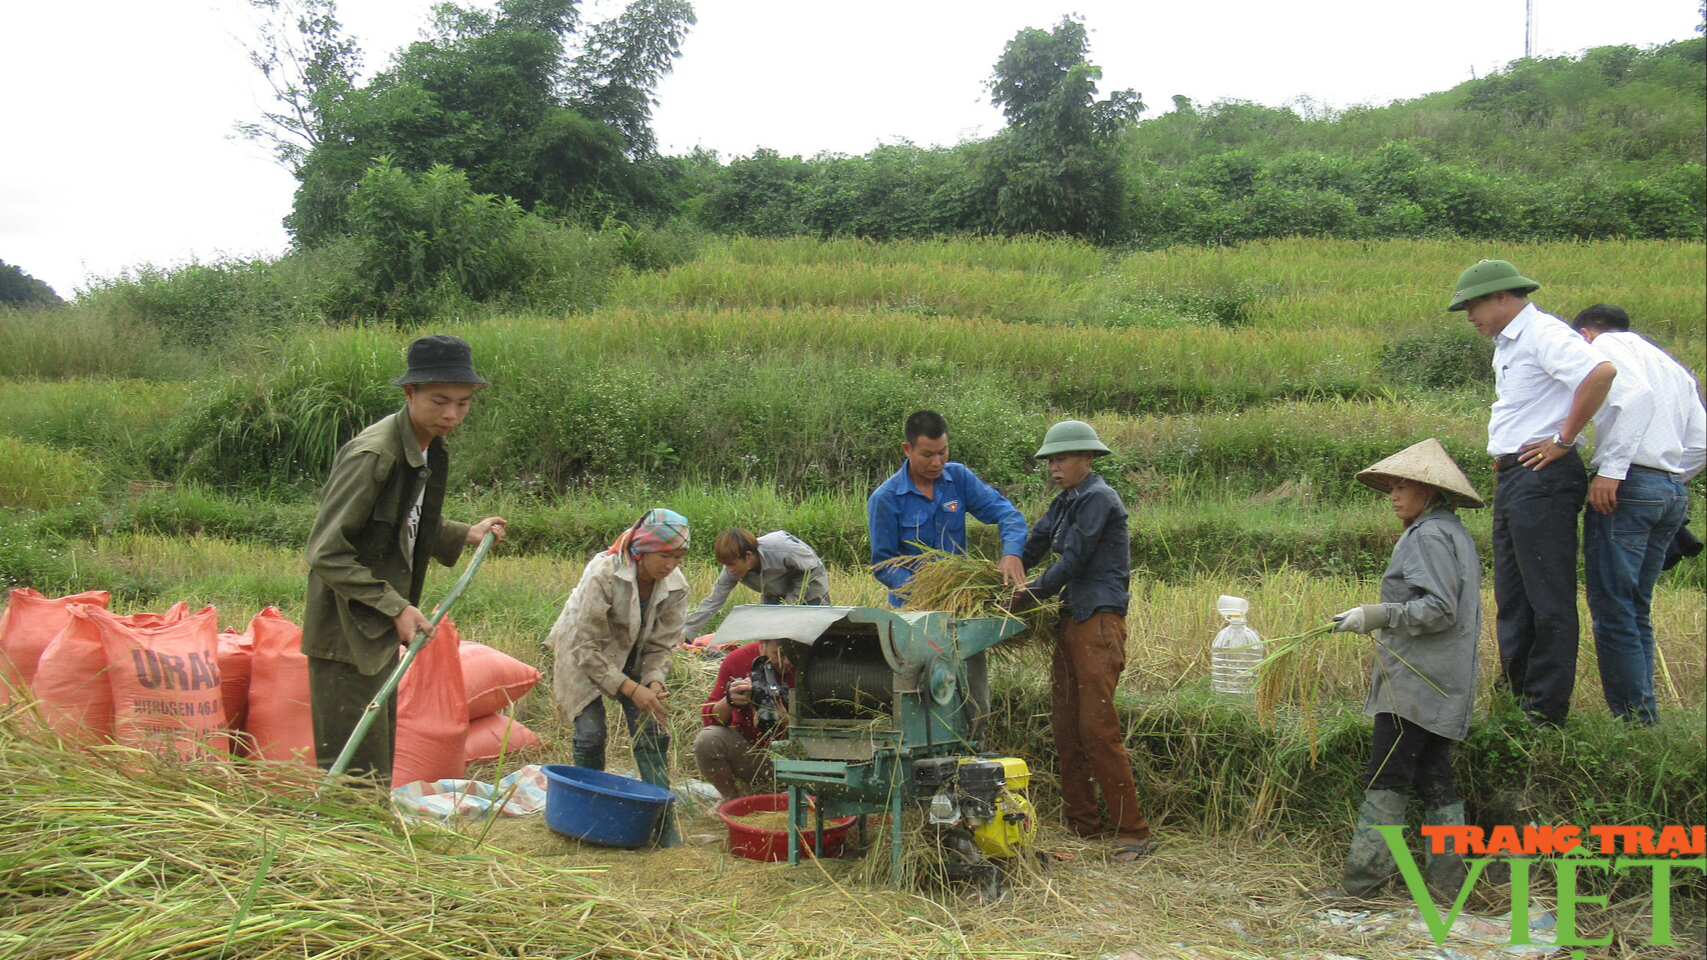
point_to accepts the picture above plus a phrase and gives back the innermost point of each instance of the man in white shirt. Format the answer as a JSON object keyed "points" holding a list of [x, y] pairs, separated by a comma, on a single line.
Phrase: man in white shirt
{"points": [[1548, 382], [1649, 438]]}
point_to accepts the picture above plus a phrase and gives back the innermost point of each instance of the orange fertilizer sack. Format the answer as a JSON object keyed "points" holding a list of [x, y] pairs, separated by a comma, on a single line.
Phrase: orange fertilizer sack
{"points": [[236, 653], [487, 737], [71, 683], [279, 724], [494, 679], [432, 713], [165, 683], [27, 625]]}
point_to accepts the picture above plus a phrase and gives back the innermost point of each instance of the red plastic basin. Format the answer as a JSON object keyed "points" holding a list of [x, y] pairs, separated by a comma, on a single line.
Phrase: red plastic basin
{"points": [[761, 843]]}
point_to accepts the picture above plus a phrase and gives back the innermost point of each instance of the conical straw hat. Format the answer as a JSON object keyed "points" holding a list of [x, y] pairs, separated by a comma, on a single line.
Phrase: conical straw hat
{"points": [[1426, 462]]}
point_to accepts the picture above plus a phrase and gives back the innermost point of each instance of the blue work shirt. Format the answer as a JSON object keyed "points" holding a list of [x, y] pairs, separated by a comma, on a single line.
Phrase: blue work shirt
{"points": [[1087, 528], [899, 516]]}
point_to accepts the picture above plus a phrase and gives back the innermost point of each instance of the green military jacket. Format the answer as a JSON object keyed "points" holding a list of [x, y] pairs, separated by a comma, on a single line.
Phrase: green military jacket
{"points": [[359, 579]]}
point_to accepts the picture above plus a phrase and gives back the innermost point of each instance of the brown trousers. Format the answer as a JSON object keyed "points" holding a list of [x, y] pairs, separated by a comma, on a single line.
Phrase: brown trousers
{"points": [[1088, 731], [722, 751]]}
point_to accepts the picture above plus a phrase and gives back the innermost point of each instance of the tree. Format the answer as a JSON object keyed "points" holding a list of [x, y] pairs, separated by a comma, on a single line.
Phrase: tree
{"points": [[18, 289], [311, 66], [426, 239], [758, 195], [625, 57], [494, 93], [1053, 170]]}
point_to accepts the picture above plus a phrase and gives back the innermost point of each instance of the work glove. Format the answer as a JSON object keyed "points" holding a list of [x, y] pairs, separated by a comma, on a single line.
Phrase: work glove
{"points": [[1366, 618]]}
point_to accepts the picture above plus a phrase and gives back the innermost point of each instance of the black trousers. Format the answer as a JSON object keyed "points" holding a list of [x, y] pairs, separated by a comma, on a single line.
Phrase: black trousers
{"points": [[338, 696], [1409, 759], [1535, 583]]}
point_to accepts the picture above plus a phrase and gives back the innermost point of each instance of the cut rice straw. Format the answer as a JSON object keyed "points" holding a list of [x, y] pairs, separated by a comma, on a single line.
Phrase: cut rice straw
{"points": [[1279, 673], [970, 585]]}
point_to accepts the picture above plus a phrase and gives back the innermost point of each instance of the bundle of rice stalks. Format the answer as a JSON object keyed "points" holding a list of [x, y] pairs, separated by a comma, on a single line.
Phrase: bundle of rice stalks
{"points": [[1291, 665], [1287, 674], [970, 585]]}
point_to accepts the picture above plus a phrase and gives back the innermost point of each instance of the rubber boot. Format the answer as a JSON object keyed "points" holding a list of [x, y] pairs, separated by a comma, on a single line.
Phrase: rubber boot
{"points": [[651, 756], [1445, 872], [1369, 864], [591, 758]]}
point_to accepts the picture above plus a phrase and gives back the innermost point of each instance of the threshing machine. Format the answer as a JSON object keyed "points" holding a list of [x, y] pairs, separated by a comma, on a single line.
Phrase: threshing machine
{"points": [[889, 708]]}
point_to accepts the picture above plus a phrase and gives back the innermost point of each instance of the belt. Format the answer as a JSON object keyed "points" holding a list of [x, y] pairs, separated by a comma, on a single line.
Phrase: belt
{"points": [[1506, 461], [1675, 477]]}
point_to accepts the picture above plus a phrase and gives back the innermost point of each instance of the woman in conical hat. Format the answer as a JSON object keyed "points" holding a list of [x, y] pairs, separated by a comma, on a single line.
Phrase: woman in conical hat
{"points": [[1425, 629]]}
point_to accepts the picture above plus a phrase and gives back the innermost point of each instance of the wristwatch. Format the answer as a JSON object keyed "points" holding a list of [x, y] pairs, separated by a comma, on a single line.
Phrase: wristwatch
{"points": [[1560, 440]]}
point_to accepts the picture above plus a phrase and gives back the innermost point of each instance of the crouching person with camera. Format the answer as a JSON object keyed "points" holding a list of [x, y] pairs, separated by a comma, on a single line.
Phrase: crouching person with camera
{"points": [[747, 710]]}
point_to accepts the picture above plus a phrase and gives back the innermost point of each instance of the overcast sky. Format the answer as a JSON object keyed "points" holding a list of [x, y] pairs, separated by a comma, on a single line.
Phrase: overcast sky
{"points": [[119, 113]]}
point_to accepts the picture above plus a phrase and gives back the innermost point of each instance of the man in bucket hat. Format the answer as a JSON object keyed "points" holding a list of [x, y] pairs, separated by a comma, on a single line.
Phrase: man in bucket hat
{"points": [[1086, 526], [379, 524], [1548, 382], [1423, 684]]}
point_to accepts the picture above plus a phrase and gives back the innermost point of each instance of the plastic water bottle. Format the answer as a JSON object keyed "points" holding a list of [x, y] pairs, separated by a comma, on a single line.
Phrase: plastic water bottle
{"points": [[1236, 651]]}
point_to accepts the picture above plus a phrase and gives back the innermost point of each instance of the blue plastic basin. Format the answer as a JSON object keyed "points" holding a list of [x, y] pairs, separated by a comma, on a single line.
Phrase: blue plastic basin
{"points": [[601, 807]]}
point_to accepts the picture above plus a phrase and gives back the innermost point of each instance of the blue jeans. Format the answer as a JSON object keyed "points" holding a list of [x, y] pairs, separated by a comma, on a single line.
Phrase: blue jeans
{"points": [[588, 739], [1622, 553]]}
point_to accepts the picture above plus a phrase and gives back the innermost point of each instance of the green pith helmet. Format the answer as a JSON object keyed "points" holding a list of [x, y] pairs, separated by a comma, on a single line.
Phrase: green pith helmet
{"points": [[1071, 436], [1489, 276]]}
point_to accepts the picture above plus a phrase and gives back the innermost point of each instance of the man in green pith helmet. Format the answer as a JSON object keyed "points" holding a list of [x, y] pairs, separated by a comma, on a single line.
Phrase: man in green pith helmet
{"points": [[1086, 526], [1548, 382], [379, 525]]}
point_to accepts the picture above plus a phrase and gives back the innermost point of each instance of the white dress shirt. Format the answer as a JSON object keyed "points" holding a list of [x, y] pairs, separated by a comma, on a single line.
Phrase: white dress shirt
{"points": [[1539, 362], [1653, 415]]}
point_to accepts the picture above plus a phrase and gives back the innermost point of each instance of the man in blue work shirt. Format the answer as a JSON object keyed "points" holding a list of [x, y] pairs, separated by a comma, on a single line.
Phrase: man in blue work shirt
{"points": [[927, 501]]}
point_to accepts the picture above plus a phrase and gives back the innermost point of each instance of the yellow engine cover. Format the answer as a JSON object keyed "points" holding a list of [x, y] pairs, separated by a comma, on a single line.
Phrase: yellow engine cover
{"points": [[1004, 837]]}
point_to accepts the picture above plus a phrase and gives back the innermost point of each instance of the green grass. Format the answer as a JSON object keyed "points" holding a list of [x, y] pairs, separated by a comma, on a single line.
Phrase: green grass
{"points": [[117, 422], [1395, 286], [806, 400], [36, 477], [1286, 361], [66, 342]]}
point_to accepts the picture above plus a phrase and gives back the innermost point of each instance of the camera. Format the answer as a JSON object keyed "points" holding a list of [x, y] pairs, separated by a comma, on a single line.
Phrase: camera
{"points": [[768, 695]]}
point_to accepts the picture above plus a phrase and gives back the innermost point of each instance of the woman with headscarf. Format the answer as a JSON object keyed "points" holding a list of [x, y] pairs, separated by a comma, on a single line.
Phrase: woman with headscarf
{"points": [[613, 639], [1425, 629]]}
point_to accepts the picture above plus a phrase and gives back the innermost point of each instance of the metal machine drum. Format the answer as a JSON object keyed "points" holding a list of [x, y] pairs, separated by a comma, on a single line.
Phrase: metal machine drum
{"points": [[844, 678]]}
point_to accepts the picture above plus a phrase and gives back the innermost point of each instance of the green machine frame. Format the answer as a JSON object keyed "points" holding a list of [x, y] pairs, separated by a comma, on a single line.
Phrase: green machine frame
{"points": [[874, 691]]}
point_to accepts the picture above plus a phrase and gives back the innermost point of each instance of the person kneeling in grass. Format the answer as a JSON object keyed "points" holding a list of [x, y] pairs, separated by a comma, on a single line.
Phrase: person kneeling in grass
{"points": [[779, 566], [613, 639], [1424, 681], [1086, 526], [732, 748]]}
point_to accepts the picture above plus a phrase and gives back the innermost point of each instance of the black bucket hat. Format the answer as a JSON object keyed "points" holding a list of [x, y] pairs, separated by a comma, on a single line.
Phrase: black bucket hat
{"points": [[440, 358]]}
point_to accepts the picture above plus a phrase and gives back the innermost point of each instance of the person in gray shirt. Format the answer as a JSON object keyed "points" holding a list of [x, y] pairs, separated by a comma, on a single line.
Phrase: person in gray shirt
{"points": [[1423, 685], [779, 566]]}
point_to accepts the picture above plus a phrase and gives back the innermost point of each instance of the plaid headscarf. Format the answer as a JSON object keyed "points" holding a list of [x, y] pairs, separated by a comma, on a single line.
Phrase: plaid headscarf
{"points": [[659, 530]]}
